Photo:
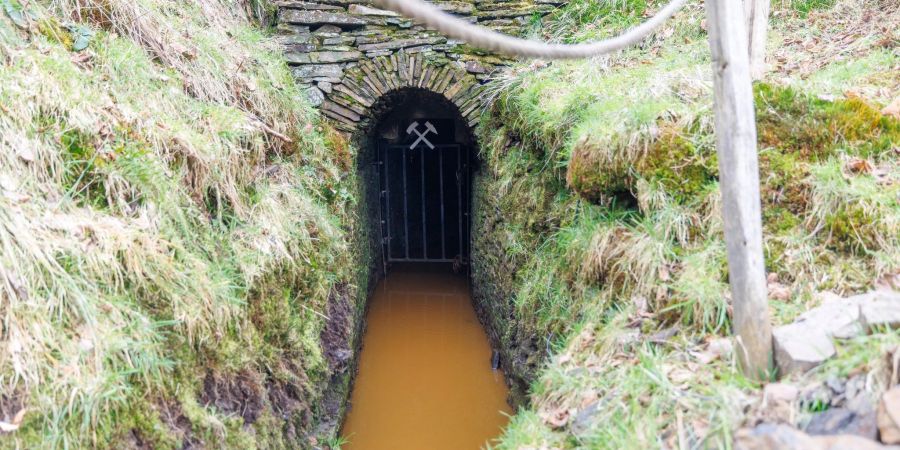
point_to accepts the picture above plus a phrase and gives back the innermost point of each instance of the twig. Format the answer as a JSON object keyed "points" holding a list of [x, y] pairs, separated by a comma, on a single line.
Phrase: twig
{"points": [[272, 131], [315, 312]]}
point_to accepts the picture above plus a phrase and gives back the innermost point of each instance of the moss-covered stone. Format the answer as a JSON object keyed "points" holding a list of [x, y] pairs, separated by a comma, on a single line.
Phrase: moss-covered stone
{"points": [[676, 164], [592, 177], [54, 31], [672, 161], [815, 128]]}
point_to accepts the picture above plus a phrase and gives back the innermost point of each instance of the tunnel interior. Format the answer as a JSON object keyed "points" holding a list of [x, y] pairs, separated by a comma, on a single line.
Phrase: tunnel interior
{"points": [[421, 152]]}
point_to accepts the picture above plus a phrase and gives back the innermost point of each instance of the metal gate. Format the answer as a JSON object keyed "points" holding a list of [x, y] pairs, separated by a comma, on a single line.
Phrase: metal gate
{"points": [[424, 202]]}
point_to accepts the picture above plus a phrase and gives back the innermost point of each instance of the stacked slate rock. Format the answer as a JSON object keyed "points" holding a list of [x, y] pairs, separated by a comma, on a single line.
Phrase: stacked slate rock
{"points": [[808, 341], [348, 54]]}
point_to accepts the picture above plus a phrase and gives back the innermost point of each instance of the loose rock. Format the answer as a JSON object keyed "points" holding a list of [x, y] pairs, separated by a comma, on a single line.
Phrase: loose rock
{"points": [[780, 392], [883, 311], [837, 317], [838, 421], [800, 347], [889, 416], [770, 436], [783, 437]]}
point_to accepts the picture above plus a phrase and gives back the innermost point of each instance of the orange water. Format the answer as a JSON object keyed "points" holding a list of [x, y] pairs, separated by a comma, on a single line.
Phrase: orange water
{"points": [[425, 380]]}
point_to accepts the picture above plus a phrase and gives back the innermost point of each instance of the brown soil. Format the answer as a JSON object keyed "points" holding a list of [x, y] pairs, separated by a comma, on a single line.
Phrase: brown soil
{"points": [[338, 339], [172, 415], [240, 394], [289, 400], [337, 336]]}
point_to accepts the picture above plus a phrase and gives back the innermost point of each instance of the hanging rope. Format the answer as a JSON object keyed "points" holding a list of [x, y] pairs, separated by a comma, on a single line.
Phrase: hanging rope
{"points": [[487, 39]]}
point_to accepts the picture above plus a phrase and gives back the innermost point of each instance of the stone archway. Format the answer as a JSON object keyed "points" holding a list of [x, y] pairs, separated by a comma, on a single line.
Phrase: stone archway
{"points": [[349, 102], [348, 54]]}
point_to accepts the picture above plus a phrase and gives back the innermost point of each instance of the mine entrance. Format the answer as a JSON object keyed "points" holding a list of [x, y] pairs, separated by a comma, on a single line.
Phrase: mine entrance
{"points": [[424, 184], [427, 376]]}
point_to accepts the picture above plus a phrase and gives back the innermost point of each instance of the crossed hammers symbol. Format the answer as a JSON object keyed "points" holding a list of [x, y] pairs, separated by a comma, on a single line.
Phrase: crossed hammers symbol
{"points": [[414, 128]]}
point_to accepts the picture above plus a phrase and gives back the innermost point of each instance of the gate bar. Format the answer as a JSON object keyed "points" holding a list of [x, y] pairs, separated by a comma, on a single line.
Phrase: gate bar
{"points": [[441, 178], [406, 254], [405, 201], [387, 197], [459, 210], [424, 223]]}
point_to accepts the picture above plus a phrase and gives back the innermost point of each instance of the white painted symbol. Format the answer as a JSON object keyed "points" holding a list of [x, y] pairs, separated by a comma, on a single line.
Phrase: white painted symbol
{"points": [[414, 128]]}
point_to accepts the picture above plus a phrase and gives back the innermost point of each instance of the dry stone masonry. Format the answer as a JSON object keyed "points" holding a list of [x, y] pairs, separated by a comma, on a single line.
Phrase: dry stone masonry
{"points": [[349, 54]]}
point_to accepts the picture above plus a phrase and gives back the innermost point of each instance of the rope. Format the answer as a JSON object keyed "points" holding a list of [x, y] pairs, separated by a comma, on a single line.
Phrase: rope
{"points": [[491, 40]]}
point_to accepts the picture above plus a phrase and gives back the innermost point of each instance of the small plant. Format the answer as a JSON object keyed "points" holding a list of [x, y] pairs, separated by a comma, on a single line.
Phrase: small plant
{"points": [[337, 442]]}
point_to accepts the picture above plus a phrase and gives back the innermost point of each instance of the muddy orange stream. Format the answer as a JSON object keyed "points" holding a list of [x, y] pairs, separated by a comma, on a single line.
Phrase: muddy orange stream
{"points": [[425, 378]]}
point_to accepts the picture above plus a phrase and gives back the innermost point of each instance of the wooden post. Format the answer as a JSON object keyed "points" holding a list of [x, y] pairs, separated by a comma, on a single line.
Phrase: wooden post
{"points": [[739, 180], [757, 16]]}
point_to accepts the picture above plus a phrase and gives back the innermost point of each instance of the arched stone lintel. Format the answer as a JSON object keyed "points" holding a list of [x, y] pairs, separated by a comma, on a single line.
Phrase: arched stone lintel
{"points": [[347, 54], [349, 102]]}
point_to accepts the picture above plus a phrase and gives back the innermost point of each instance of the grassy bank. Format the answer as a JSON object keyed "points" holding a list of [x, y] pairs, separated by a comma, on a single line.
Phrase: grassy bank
{"points": [[597, 217], [175, 222]]}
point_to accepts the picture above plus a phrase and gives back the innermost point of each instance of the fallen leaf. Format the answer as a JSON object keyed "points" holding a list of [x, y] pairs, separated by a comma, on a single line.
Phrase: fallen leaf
{"points": [[557, 418], [25, 154], [701, 428], [778, 291], [663, 336], [888, 282], [853, 94], [640, 303], [859, 165], [680, 375], [892, 109], [664, 273], [16, 197], [9, 427], [714, 350]]}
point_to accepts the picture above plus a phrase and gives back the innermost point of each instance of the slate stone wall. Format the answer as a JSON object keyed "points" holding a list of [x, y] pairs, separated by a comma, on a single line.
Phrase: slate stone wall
{"points": [[349, 54]]}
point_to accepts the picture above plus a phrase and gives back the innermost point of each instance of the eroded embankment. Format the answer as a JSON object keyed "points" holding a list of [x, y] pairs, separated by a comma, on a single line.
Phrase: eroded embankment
{"points": [[182, 265], [598, 258]]}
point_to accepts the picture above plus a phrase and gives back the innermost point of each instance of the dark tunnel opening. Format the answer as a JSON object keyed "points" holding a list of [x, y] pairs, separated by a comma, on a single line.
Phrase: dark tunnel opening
{"points": [[421, 154]]}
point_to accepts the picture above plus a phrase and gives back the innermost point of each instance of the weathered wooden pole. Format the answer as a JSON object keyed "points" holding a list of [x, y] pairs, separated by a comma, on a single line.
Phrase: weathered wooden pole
{"points": [[739, 180], [757, 16]]}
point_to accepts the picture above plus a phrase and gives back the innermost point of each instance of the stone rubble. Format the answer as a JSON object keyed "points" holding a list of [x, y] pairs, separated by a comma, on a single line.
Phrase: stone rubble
{"points": [[860, 412], [808, 341], [347, 54], [769, 436], [848, 422], [889, 416]]}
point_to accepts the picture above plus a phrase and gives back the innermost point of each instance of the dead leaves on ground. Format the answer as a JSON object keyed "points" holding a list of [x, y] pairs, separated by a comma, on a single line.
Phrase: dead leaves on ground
{"points": [[884, 174], [777, 291], [893, 109]]}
